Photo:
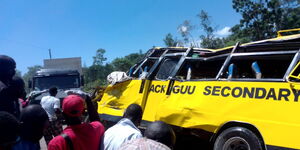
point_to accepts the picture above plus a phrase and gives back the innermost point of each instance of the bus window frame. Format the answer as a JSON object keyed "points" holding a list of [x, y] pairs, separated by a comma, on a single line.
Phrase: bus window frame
{"points": [[202, 59], [295, 63], [155, 66], [167, 58], [149, 56], [246, 54], [152, 72], [143, 62]]}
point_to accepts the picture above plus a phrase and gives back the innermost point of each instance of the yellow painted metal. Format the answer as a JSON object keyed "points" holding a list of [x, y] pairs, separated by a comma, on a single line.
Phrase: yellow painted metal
{"points": [[292, 72], [190, 106], [117, 97], [277, 120], [288, 30], [272, 107], [154, 100]]}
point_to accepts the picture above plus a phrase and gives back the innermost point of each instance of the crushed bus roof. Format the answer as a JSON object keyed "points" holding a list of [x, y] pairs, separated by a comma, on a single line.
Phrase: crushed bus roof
{"points": [[290, 42]]}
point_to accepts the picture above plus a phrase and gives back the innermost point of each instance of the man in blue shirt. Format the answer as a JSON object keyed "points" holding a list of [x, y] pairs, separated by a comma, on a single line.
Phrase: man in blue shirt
{"points": [[125, 130]]}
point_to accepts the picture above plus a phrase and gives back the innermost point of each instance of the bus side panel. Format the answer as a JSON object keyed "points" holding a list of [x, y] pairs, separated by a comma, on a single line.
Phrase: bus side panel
{"points": [[271, 107], [156, 96], [117, 97]]}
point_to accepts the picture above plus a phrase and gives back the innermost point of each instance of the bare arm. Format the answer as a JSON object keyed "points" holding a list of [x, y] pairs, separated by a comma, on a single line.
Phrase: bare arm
{"points": [[93, 114], [57, 107]]}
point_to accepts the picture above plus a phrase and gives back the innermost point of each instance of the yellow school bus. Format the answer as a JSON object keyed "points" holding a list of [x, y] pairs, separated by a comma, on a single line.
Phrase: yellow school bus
{"points": [[243, 97]]}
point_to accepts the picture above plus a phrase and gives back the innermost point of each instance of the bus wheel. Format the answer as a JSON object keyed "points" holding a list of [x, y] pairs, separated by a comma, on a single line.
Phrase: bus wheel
{"points": [[237, 138]]}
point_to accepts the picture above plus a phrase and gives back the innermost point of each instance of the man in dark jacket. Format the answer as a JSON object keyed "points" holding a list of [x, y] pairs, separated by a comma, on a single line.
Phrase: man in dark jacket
{"points": [[7, 71]]}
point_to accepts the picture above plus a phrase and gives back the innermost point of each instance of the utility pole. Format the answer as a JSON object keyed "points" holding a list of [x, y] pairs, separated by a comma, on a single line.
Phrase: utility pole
{"points": [[50, 53]]}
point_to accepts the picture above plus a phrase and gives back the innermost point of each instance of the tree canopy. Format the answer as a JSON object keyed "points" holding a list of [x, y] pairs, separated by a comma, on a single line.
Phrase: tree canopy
{"points": [[96, 74], [30, 73], [170, 41], [261, 19], [99, 58]]}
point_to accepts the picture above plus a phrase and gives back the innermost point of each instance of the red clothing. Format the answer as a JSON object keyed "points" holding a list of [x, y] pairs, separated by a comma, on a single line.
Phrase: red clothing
{"points": [[24, 102], [84, 137]]}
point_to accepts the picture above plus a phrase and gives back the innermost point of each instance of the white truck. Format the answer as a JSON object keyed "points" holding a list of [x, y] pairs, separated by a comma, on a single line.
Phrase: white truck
{"points": [[63, 73]]}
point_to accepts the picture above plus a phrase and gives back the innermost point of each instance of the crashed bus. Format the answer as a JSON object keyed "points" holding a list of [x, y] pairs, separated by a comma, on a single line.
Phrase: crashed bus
{"points": [[242, 97]]}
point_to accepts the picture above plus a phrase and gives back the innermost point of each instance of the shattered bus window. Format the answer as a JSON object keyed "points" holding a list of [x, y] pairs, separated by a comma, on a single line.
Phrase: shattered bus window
{"points": [[258, 67], [166, 68], [143, 69], [199, 69], [157, 53]]}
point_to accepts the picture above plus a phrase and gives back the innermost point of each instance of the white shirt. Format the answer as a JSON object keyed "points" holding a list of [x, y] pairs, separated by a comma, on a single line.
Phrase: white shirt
{"points": [[143, 144], [50, 103], [122, 132]]}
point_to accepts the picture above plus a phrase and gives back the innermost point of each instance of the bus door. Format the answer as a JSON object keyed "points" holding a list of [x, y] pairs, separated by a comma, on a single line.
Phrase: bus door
{"points": [[184, 104], [160, 83]]}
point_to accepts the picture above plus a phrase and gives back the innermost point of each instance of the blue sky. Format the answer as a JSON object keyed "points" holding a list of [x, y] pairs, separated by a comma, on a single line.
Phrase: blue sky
{"points": [[77, 28]]}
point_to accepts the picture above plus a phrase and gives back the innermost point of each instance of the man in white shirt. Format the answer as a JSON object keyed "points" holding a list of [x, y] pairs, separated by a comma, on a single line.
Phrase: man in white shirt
{"points": [[51, 104], [125, 130]]}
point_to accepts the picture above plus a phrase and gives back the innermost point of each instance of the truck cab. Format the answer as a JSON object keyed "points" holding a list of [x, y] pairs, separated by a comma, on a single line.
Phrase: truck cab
{"points": [[60, 78]]}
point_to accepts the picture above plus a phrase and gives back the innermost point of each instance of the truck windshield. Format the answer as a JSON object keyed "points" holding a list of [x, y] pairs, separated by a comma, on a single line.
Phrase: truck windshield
{"points": [[61, 82]]}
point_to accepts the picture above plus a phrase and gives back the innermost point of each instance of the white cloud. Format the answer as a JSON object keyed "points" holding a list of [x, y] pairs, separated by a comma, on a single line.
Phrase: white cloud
{"points": [[183, 29], [223, 32]]}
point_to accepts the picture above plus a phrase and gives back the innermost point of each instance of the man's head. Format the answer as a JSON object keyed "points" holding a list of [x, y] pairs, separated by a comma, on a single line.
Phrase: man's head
{"points": [[73, 106], [134, 112], [7, 67], [34, 120], [161, 132], [53, 91], [9, 129], [18, 87]]}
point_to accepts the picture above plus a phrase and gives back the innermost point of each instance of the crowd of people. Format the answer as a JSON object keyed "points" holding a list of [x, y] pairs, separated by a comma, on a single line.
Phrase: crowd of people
{"points": [[23, 125]]}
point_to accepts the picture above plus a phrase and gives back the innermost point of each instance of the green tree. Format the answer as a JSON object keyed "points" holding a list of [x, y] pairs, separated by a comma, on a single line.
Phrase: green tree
{"points": [[185, 30], [124, 63], [261, 19], [135, 57], [29, 74], [99, 59], [209, 40], [121, 64], [96, 74], [170, 41]]}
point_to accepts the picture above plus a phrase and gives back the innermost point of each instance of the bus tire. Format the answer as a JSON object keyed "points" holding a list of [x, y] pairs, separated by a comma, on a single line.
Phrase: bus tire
{"points": [[238, 138]]}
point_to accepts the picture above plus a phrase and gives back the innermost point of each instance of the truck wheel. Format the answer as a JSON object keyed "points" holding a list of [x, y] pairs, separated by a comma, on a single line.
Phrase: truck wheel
{"points": [[237, 138]]}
